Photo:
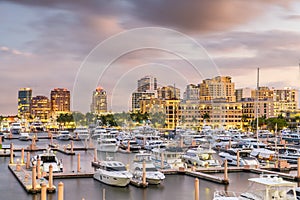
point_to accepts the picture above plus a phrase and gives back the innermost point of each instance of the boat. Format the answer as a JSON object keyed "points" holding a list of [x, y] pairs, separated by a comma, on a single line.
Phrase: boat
{"points": [[97, 132], [130, 146], [112, 173], [244, 155], [37, 127], [153, 176], [168, 158], [24, 137], [15, 128], [107, 143], [63, 135], [82, 132], [268, 187], [48, 158], [201, 157]]}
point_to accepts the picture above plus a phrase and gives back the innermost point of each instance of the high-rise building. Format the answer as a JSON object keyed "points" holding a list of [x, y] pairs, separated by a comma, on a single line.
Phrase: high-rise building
{"points": [[168, 93], [147, 83], [219, 87], [24, 98], [60, 100], [139, 96], [243, 93], [99, 101], [40, 108], [191, 92]]}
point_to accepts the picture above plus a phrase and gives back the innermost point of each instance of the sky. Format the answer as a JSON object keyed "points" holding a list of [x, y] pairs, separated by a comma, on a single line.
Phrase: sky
{"points": [[82, 44]]}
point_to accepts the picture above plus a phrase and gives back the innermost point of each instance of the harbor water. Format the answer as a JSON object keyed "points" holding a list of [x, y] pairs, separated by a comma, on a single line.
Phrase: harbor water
{"points": [[175, 187]]}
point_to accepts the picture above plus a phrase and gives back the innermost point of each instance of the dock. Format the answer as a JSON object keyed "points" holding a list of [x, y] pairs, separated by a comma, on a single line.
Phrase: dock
{"points": [[31, 185]]}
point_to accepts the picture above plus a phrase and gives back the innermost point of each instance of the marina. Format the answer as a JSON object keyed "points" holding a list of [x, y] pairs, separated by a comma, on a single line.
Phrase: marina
{"points": [[80, 163]]}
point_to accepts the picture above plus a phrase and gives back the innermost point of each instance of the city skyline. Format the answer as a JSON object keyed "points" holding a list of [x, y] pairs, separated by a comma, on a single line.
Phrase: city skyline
{"points": [[44, 45]]}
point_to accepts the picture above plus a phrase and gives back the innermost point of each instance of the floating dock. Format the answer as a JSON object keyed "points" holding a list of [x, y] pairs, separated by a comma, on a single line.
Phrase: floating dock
{"points": [[208, 177], [24, 177]]}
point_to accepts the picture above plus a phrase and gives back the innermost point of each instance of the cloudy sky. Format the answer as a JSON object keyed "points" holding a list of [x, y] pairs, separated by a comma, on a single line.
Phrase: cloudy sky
{"points": [[80, 44]]}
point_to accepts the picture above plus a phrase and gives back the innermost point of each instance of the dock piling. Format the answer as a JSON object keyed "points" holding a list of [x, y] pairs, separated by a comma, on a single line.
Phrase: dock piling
{"points": [[44, 192], [28, 160], [78, 162], [238, 158], [144, 173], [196, 189], [103, 194], [33, 177], [95, 155], [298, 168], [50, 181], [225, 170], [11, 153], [72, 145], [60, 191], [22, 156], [38, 168]]}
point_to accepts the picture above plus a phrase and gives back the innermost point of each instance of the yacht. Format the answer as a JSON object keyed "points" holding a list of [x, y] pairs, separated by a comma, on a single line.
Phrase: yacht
{"points": [[37, 127], [113, 173], [168, 158], [15, 128], [201, 157], [48, 158], [244, 154], [24, 137], [265, 187], [153, 176], [63, 135], [82, 132], [97, 132], [107, 143], [130, 145]]}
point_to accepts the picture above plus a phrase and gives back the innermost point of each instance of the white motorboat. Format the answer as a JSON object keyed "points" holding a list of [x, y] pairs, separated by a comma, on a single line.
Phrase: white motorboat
{"points": [[130, 145], [244, 155], [48, 158], [267, 187], [82, 132], [168, 158], [153, 176], [37, 127], [107, 143], [63, 135], [15, 128], [113, 173], [24, 137], [201, 157]]}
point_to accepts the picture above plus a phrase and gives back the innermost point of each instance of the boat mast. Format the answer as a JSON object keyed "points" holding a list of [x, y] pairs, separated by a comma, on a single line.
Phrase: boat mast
{"points": [[257, 107]]}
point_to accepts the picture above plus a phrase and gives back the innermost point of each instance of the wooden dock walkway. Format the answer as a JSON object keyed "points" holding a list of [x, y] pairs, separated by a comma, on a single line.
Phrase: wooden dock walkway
{"points": [[24, 177]]}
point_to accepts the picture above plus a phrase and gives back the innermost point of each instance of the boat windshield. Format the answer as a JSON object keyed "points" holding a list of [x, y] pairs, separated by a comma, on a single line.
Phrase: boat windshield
{"points": [[116, 168], [48, 159], [151, 169]]}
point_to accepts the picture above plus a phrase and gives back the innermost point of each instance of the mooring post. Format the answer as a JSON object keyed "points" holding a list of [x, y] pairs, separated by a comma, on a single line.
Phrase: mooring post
{"points": [[78, 162], [60, 191], [38, 167], [128, 147], [22, 156], [28, 160], [11, 153], [298, 168], [44, 192], [33, 177], [50, 181], [196, 189], [72, 145], [225, 170], [95, 155], [238, 158], [144, 173]]}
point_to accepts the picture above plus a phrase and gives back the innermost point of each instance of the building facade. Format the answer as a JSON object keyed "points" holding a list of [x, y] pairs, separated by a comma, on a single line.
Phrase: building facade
{"points": [[24, 99], [192, 92], [168, 92], [219, 87], [99, 101], [147, 83], [40, 108], [60, 101]]}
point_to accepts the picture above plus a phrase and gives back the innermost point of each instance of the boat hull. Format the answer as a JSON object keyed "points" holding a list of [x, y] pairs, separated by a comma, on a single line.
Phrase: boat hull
{"points": [[112, 180]]}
